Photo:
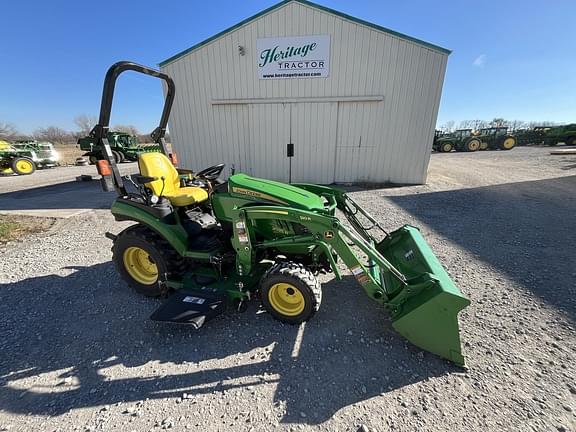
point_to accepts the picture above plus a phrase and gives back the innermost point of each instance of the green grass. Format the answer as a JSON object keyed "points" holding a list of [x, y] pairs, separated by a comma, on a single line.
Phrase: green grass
{"points": [[7, 229]]}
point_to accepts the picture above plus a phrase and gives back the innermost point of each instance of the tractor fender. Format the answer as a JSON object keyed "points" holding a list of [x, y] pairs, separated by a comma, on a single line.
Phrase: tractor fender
{"points": [[126, 210]]}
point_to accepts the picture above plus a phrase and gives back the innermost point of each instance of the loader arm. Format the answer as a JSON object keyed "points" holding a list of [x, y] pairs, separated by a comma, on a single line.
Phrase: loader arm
{"points": [[400, 272]]}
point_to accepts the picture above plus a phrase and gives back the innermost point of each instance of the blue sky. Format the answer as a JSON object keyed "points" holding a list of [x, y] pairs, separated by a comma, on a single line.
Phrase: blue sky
{"points": [[511, 59]]}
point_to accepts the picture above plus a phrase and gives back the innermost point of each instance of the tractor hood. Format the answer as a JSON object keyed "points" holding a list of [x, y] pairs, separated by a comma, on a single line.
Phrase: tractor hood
{"points": [[275, 192]]}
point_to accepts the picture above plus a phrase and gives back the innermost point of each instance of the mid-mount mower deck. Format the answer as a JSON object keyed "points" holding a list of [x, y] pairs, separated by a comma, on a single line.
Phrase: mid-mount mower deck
{"points": [[207, 244]]}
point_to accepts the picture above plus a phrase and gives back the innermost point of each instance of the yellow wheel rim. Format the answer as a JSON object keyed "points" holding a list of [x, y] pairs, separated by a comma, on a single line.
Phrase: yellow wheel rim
{"points": [[474, 145], [286, 299], [508, 143], [483, 145], [140, 265], [447, 148], [24, 166]]}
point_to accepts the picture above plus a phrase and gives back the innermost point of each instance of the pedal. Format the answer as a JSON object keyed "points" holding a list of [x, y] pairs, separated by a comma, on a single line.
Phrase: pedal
{"points": [[187, 306]]}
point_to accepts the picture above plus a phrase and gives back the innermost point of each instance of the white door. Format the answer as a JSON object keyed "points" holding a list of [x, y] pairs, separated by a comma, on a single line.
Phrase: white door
{"points": [[356, 147], [311, 127]]}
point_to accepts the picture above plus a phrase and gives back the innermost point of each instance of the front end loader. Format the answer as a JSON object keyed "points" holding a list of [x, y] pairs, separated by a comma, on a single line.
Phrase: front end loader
{"points": [[206, 244]]}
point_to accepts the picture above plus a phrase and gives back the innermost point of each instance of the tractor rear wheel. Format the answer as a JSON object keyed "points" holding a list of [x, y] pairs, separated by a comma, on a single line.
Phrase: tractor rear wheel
{"points": [[507, 143], [23, 166], [570, 141], [142, 257], [290, 292], [472, 145], [117, 156]]}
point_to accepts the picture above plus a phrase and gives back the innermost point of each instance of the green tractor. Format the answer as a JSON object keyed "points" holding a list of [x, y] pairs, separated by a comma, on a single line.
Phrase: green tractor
{"points": [[124, 147], [16, 161], [206, 244], [560, 134], [460, 140], [46, 155], [494, 138]]}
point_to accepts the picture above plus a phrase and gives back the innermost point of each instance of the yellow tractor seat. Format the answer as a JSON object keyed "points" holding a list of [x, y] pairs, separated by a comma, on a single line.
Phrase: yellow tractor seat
{"points": [[159, 166]]}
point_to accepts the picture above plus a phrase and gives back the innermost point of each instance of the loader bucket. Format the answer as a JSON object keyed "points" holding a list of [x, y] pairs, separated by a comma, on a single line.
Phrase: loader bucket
{"points": [[428, 319]]}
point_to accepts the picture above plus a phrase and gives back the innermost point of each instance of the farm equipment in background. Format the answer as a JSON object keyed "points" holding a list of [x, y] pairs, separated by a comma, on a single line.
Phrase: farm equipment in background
{"points": [[560, 134], [15, 161], [123, 145], [205, 244], [460, 140], [46, 155], [533, 136], [496, 138]]}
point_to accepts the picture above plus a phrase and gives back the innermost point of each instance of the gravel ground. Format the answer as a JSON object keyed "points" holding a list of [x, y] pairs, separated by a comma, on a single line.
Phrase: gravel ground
{"points": [[78, 352]]}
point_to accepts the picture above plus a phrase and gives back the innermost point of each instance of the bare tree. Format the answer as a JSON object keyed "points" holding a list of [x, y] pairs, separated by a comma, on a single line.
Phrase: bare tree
{"points": [[53, 134], [129, 129], [499, 122], [466, 124], [7, 131], [85, 123], [448, 126], [517, 124]]}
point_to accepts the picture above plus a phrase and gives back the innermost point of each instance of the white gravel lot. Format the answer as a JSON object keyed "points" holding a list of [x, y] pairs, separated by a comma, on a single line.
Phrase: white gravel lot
{"points": [[78, 353]]}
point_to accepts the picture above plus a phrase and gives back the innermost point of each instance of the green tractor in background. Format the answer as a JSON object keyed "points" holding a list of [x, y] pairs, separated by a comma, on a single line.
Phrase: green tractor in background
{"points": [[461, 140], [560, 134], [15, 161], [124, 147], [206, 244], [494, 138], [46, 155]]}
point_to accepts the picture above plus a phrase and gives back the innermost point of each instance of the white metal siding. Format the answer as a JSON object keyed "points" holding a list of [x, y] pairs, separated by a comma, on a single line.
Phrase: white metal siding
{"points": [[377, 141]]}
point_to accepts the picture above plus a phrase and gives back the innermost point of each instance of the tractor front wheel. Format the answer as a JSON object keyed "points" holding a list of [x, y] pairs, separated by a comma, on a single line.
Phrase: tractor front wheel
{"points": [[23, 166], [142, 257], [472, 145], [446, 147], [290, 292]]}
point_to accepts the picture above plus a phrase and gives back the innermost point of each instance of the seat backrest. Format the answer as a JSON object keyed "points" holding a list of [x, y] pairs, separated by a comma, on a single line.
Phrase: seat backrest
{"points": [[158, 165]]}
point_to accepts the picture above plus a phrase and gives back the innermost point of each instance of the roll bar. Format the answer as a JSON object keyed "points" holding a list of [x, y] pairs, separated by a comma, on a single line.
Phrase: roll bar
{"points": [[100, 131]]}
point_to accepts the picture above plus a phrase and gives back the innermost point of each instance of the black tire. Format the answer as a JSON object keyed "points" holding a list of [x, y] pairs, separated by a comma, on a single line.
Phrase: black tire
{"points": [[472, 145], [301, 283], [117, 157], [570, 141], [446, 147], [122, 157], [508, 143], [23, 166], [167, 261]]}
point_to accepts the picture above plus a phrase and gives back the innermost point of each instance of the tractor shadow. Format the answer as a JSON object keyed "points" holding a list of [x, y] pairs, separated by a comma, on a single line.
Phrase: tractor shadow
{"points": [[69, 195], [524, 230], [62, 336]]}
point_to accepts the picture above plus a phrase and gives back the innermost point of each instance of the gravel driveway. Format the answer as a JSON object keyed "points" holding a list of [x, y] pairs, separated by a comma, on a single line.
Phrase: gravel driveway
{"points": [[78, 353]]}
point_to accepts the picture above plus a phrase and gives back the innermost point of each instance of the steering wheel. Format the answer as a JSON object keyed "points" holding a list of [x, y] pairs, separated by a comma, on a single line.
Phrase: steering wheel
{"points": [[211, 173]]}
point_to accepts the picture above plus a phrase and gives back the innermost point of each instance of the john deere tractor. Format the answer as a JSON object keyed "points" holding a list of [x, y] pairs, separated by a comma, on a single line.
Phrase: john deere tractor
{"points": [[460, 140], [496, 138], [207, 244], [16, 161]]}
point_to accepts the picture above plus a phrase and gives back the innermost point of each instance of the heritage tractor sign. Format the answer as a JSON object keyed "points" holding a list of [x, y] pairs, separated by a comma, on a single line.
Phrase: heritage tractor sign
{"points": [[293, 57]]}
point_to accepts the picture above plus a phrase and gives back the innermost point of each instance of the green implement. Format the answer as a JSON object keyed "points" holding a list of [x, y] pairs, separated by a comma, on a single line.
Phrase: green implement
{"points": [[206, 244]]}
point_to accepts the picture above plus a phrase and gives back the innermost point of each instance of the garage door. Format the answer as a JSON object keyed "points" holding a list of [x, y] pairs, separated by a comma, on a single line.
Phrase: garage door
{"points": [[310, 126]]}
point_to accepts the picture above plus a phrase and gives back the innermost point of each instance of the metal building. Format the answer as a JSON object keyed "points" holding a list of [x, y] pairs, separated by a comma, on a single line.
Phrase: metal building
{"points": [[358, 101]]}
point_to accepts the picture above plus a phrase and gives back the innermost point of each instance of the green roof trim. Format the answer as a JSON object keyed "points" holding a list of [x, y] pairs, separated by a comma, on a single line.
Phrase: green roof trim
{"points": [[314, 5]]}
